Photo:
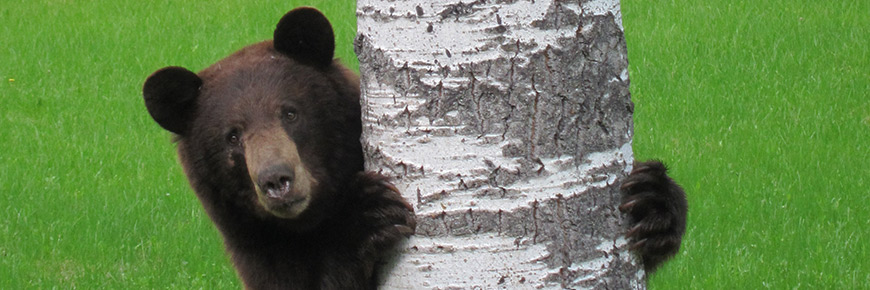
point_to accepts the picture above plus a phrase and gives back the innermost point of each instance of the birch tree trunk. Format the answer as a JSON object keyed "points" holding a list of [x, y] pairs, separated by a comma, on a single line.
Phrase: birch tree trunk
{"points": [[507, 125]]}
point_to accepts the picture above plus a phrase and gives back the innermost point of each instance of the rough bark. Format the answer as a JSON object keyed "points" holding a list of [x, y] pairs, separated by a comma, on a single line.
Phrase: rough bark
{"points": [[507, 125]]}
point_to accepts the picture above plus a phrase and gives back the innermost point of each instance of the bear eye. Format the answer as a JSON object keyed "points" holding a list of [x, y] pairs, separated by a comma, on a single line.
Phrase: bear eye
{"points": [[290, 115], [233, 137]]}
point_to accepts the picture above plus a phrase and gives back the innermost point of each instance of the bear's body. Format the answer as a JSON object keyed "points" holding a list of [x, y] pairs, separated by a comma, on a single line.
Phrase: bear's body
{"points": [[269, 140]]}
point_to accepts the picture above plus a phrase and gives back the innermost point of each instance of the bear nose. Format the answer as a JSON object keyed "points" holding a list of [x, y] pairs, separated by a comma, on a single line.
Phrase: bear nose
{"points": [[276, 181]]}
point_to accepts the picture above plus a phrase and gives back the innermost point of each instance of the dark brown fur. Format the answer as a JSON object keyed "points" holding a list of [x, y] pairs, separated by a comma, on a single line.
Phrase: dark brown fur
{"points": [[656, 208], [265, 116]]}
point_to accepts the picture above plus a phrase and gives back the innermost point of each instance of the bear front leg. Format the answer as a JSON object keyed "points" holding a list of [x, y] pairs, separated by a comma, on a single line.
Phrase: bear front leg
{"points": [[385, 213], [656, 207]]}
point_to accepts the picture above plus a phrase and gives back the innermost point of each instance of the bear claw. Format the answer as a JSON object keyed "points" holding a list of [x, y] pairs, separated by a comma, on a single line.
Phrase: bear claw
{"points": [[628, 184]]}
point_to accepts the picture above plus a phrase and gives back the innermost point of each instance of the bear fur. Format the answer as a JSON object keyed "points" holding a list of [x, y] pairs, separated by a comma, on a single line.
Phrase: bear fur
{"points": [[269, 140], [656, 207]]}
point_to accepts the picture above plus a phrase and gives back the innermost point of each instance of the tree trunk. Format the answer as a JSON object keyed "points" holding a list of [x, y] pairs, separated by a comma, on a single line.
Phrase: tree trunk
{"points": [[507, 125]]}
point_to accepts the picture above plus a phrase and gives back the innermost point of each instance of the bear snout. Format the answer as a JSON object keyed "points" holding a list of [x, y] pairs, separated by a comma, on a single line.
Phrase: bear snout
{"points": [[284, 186], [284, 191], [276, 181]]}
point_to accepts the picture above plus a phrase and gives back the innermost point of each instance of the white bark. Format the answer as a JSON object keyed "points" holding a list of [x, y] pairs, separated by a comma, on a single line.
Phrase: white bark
{"points": [[507, 125]]}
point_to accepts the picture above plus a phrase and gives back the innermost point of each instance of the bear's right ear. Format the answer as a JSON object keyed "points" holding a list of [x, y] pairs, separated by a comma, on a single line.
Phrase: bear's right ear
{"points": [[170, 95]]}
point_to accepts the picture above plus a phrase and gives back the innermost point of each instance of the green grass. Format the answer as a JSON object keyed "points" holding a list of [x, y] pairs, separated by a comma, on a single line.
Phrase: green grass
{"points": [[760, 108]]}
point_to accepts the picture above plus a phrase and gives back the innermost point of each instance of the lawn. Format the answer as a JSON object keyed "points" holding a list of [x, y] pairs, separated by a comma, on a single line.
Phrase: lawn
{"points": [[760, 108]]}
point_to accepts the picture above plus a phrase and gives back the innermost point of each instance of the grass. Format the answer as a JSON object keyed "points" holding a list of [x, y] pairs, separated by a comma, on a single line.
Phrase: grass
{"points": [[760, 108]]}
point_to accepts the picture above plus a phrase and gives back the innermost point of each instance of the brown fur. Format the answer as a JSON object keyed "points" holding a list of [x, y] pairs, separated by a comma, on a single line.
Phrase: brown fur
{"points": [[269, 141], [656, 207]]}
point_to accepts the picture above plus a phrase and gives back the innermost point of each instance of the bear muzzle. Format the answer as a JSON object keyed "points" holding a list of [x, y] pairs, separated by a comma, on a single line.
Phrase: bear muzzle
{"points": [[280, 193], [284, 186]]}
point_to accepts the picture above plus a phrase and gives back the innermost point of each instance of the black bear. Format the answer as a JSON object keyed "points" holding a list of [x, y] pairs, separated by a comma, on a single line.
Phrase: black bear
{"points": [[269, 139]]}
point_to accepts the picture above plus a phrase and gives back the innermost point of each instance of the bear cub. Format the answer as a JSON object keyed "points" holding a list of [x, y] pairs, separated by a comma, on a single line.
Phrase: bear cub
{"points": [[269, 139]]}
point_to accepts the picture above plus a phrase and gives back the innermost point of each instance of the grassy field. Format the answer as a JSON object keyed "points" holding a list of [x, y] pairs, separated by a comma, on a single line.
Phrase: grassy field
{"points": [[761, 109]]}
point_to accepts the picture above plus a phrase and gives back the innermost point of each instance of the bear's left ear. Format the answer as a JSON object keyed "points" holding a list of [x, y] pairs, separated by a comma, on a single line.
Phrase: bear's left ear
{"points": [[305, 35]]}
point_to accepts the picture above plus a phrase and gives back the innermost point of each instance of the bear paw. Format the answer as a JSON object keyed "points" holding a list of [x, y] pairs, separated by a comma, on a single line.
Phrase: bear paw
{"points": [[386, 212], [656, 207]]}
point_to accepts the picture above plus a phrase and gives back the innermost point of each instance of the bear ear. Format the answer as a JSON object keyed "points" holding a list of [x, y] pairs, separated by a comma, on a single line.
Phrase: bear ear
{"points": [[170, 94], [305, 35]]}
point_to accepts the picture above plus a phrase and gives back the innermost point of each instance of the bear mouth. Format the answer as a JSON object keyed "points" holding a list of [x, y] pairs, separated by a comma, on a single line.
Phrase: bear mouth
{"points": [[283, 198], [288, 206]]}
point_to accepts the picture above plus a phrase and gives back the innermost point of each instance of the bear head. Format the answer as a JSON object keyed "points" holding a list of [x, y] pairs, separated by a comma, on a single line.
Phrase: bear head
{"points": [[271, 131]]}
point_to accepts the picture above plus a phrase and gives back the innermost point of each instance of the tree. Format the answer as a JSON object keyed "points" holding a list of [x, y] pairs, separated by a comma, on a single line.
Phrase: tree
{"points": [[507, 125]]}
